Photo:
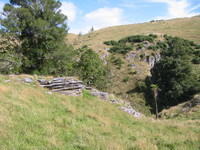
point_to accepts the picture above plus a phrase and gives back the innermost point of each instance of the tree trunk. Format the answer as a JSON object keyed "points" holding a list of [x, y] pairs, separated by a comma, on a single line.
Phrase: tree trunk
{"points": [[156, 107]]}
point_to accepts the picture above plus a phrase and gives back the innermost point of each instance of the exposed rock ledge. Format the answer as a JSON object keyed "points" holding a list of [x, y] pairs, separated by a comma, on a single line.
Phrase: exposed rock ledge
{"points": [[74, 87]]}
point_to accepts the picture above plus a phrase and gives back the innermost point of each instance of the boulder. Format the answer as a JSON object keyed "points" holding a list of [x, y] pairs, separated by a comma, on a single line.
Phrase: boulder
{"points": [[107, 49], [146, 44], [158, 57], [130, 55], [151, 61], [103, 56], [28, 80], [132, 65], [7, 80], [131, 111], [101, 95], [114, 101]]}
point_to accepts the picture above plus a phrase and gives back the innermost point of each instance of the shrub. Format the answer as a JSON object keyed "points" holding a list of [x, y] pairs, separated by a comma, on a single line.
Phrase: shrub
{"points": [[120, 49], [133, 72], [110, 42], [142, 55], [126, 79], [153, 47], [153, 36], [136, 38], [196, 60], [140, 46], [92, 71], [141, 86], [161, 45]]}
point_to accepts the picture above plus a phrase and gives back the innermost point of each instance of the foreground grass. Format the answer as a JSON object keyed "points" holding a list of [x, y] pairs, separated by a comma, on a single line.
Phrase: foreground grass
{"points": [[31, 119]]}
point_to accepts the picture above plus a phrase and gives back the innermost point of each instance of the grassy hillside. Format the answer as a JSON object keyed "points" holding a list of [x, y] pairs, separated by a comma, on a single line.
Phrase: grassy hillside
{"points": [[32, 119], [125, 78], [187, 28], [184, 111]]}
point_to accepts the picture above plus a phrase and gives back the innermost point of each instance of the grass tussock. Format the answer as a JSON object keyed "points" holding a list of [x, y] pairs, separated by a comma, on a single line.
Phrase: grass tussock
{"points": [[32, 119]]}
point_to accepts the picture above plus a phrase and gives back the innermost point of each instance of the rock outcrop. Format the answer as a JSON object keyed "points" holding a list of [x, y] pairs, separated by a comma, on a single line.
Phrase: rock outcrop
{"points": [[101, 95], [64, 86], [74, 87], [131, 111]]}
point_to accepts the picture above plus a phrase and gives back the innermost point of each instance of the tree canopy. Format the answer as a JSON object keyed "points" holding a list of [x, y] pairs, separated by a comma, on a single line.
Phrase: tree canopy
{"points": [[92, 70], [173, 74], [38, 26]]}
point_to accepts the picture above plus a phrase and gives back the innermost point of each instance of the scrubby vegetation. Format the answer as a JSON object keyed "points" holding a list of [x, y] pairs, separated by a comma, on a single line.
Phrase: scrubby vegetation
{"points": [[174, 74], [125, 45], [92, 71]]}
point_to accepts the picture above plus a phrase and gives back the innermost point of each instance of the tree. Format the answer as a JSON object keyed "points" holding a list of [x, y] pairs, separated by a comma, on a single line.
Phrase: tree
{"points": [[92, 29], [92, 70], [154, 88], [10, 61], [173, 74], [40, 27]]}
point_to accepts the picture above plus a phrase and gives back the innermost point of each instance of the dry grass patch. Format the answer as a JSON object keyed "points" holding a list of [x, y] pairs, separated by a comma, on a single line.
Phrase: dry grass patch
{"points": [[3, 89], [69, 107], [144, 144], [102, 119]]}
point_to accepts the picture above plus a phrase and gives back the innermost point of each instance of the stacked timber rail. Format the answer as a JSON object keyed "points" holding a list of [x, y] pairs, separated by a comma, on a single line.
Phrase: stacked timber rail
{"points": [[64, 86]]}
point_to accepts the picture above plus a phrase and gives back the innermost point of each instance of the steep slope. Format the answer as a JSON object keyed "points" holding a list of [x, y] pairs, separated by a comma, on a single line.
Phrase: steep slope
{"points": [[33, 119], [187, 28], [184, 111], [131, 70]]}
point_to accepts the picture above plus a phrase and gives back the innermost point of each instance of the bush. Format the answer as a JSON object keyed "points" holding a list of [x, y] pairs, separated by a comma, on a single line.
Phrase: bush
{"points": [[153, 47], [10, 63], [117, 61], [142, 55], [92, 71], [161, 45], [110, 42], [133, 72], [136, 38], [196, 60], [140, 46], [141, 86], [126, 79], [153, 36], [120, 49]]}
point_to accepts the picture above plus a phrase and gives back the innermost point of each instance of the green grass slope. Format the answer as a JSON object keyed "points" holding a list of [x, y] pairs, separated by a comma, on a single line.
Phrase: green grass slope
{"points": [[187, 28], [184, 111], [32, 119]]}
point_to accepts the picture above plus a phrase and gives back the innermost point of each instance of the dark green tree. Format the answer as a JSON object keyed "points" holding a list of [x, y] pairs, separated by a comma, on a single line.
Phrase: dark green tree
{"points": [[92, 70], [173, 74], [40, 27]]}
